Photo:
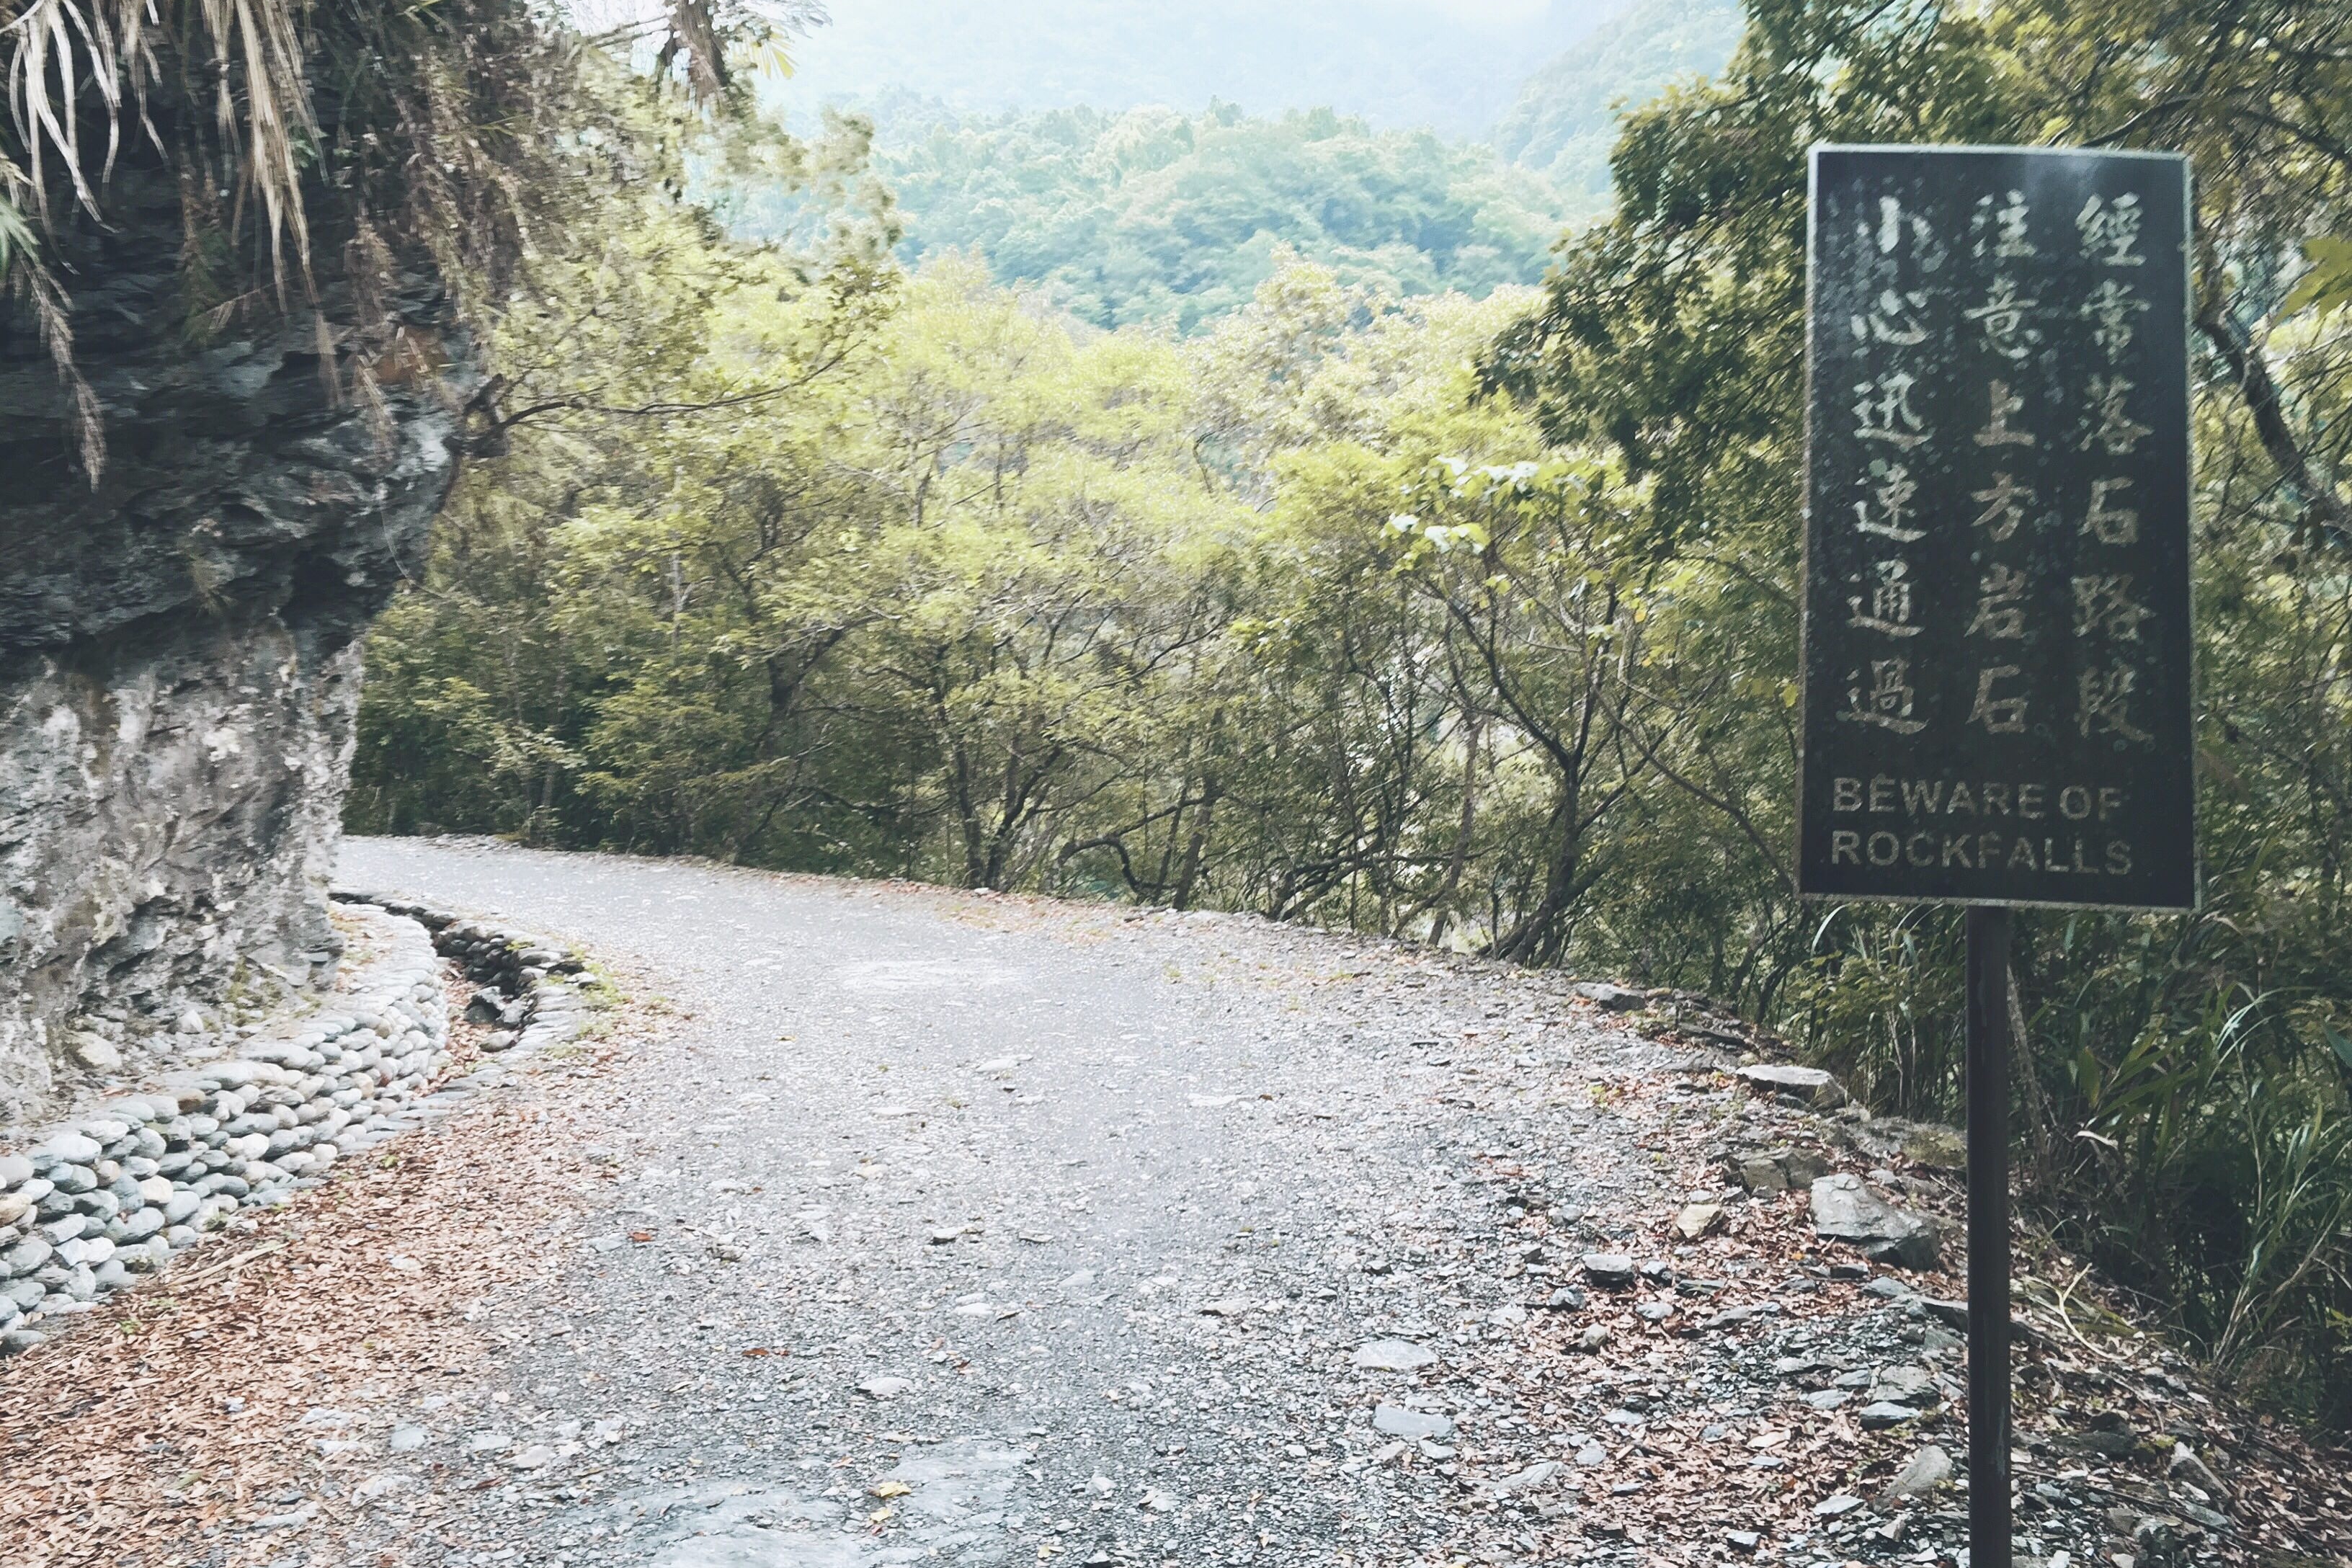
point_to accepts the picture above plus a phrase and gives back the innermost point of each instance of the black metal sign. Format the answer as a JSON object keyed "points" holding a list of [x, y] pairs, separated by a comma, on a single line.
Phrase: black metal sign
{"points": [[1997, 644]]}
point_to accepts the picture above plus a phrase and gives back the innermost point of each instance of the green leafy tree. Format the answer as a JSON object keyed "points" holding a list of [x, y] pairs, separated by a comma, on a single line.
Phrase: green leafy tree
{"points": [[1156, 217], [2184, 1104]]}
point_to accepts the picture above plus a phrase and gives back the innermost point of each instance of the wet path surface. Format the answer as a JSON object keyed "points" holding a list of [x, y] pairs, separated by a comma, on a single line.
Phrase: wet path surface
{"points": [[949, 1230]]}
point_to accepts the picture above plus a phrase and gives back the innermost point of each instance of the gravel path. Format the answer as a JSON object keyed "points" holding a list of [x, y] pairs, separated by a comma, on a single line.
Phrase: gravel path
{"points": [[901, 1225], [957, 1230]]}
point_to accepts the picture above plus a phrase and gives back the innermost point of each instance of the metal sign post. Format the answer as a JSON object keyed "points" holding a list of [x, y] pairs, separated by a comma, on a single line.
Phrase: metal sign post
{"points": [[1988, 1070], [1997, 639]]}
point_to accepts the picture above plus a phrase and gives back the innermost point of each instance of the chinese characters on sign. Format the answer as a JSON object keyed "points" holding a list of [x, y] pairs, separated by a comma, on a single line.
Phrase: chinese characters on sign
{"points": [[1997, 636]]}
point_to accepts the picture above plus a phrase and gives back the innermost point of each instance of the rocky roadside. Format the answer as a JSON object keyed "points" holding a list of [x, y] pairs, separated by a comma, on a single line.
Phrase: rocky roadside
{"points": [[1765, 1362], [921, 1227], [99, 1201]]}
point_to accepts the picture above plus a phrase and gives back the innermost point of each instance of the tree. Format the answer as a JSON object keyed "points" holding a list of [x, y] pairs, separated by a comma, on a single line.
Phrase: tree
{"points": [[2183, 1067], [1156, 217]]}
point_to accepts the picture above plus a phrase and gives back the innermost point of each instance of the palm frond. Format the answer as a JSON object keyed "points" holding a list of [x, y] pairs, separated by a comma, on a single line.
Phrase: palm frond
{"points": [[58, 55], [17, 241], [25, 275]]}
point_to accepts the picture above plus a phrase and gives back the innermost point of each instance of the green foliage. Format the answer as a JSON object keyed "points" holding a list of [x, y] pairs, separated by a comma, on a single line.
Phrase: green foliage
{"points": [[2325, 285], [1156, 217], [1565, 119], [468, 133], [1465, 621], [2186, 1105]]}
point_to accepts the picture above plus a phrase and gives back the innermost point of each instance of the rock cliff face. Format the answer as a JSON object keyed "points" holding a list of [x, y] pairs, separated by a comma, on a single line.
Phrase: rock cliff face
{"points": [[178, 661]]}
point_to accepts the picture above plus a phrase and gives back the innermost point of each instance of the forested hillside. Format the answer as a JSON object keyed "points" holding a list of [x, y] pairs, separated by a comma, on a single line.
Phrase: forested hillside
{"points": [[1564, 119], [1467, 620], [1149, 213], [1156, 217]]}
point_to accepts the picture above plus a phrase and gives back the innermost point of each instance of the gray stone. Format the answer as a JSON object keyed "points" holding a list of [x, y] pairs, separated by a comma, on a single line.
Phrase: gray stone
{"points": [[1744, 1540], [1845, 1209], [1879, 1417], [1922, 1475], [1776, 1170], [95, 1053], [885, 1387], [1533, 1477], [89, 1250], [1611, 998], [1566, 1298], [2110, 1436], [14, 1170], [1696, 1219], [407, 1437], [1393, 1355], [1610, 1270], [16, 1342], [1402, 1421], [73, 1180], [69, 1149], [2185, 1465], [1906, 1385], [1810, 1085], [178, 642], [1805, 1166], [1953, 1314], [1937, 1148]]}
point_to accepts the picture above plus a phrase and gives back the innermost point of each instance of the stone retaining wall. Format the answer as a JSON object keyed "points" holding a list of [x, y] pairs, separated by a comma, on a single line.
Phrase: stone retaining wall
{"points": [[114, 1193]]}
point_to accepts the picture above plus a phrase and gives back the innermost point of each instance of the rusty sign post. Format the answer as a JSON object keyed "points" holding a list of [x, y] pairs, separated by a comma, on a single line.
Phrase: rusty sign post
{"points": [[1996, 637]]}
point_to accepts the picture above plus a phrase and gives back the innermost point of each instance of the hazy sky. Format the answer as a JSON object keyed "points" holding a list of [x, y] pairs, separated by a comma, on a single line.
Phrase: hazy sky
{"points": [[1452, 63]]}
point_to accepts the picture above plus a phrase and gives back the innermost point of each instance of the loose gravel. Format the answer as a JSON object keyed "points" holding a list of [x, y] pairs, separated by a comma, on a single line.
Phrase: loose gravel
{"points": [[890, 1224]]}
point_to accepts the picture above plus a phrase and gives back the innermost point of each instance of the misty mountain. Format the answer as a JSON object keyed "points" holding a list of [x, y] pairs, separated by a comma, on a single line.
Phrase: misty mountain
{"points": [[1564, 119], [1450, 65]]}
